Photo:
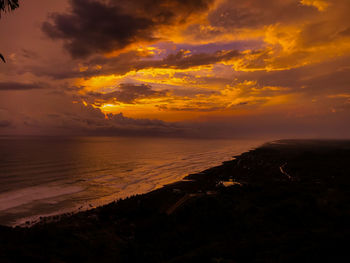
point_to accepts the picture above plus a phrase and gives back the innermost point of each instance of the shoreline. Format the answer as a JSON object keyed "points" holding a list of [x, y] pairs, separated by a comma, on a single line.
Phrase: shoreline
{"points": [[245, 204], [56, 216], [127, 176]]}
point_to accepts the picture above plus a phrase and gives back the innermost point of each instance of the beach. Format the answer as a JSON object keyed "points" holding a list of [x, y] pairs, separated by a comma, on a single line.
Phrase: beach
{"points": [[49, 176], [286, 201]]}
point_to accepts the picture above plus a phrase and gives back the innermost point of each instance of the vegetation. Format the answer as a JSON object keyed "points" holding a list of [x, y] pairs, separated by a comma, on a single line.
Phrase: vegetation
{"points": [[269, 217], [7, 5]]}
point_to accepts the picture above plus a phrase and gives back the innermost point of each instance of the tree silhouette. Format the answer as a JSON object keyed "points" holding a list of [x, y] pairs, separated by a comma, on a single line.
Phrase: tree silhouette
{"points": [[7, 5]]}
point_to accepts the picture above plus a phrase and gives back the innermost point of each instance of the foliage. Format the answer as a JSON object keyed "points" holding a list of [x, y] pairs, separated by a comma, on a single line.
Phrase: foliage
{"points": [[7, 5]]}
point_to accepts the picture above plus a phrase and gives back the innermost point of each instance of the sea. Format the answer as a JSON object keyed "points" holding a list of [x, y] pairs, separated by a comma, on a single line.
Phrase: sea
{"points": [[47, 176]]}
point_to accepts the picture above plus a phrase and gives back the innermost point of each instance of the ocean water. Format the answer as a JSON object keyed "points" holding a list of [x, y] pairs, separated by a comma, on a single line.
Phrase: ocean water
{"points": [[42, 176]]}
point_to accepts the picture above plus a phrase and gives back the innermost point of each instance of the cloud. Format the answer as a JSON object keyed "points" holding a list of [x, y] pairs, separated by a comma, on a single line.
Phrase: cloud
{"points": [[56, 115], [4, 123], [256, 65], [95, 26], [321, 5], [184, 59], [314, 79], [126, 93], [34, 112], [256, 14], [243, 95], [134, 61], [4, 119], [19, 86], [345, 32]]}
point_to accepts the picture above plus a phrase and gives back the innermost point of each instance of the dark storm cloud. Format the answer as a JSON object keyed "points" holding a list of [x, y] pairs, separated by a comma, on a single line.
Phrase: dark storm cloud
{"points": [[7, 86], [95, 26], [127, 93]]}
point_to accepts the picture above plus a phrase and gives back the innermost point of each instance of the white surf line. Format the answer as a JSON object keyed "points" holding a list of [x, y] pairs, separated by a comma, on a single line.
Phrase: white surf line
{"points": [[16, 198], [284, 172]]}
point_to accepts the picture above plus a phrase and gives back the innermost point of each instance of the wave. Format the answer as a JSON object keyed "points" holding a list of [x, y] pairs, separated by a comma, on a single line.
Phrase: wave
{"points": [[24, 196]]}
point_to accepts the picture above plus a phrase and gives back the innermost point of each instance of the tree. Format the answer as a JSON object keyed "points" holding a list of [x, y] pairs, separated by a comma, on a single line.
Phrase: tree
{"points": [[7, 5]]}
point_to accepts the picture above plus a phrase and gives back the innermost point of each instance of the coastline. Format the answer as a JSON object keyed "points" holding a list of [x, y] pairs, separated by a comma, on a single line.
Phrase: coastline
{"points": [[100, 176], [285, 194], [177, 183]]}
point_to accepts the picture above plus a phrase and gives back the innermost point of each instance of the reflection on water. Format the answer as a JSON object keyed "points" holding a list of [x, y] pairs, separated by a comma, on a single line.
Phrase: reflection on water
{"points": [[50, 175]]}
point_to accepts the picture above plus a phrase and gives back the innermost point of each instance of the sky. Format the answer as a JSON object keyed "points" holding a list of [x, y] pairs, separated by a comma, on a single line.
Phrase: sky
{"points": [[187, 68]]}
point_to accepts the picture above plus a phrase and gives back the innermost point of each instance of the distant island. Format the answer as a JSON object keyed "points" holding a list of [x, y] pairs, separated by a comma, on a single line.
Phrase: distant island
{"points": [[286, 201]]}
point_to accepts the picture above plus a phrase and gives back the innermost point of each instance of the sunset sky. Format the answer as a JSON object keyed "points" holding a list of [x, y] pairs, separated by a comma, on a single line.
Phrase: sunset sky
{"points": [[217, 68]]}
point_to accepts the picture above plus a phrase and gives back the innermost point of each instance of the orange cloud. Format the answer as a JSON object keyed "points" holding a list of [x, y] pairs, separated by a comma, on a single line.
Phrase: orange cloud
{"points": [[231, 100], [302, 37], [321, 5]]}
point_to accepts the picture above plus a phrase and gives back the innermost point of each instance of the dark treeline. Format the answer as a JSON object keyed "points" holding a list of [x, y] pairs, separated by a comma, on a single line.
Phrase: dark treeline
{"points": [[292, 204], [7, 5]]}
